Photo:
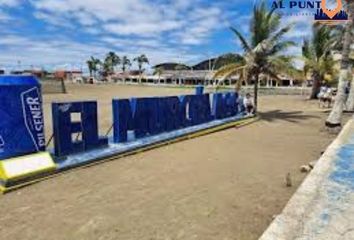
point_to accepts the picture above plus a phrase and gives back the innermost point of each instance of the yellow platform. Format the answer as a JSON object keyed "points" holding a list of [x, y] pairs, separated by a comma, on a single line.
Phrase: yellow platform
{"points": [[21, 168]]}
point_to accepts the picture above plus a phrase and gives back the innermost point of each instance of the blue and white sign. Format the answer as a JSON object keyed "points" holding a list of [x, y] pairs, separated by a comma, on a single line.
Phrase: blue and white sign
{"points": [[2, 144], [21, 121], [33, 116]]}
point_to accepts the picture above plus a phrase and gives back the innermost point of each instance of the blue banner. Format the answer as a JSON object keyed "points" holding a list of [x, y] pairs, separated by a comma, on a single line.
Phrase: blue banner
{"points": [[21, 121]]}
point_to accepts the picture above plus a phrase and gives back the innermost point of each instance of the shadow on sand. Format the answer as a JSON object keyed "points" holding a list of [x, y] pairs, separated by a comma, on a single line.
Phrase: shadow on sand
{"points": [[294, 116]]}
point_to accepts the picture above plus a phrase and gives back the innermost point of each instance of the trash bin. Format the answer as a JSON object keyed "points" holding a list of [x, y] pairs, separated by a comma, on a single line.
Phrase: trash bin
{"points": [[199, 90], [21, 116]]}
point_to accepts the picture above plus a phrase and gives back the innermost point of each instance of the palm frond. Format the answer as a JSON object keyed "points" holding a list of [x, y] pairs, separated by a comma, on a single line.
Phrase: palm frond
{"points": [[279, 34], [307, 51], [273, 23], [280, 47], [243, 41], [228, 70]]}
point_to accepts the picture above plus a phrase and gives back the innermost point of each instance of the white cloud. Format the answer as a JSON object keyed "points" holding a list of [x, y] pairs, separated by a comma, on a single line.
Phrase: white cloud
{"points": [[202, 22], [142, 28], [134, 17], [302, 26], [69, 31], [9, 3], [55, 54], [127, 27], [52, 19], [132, 44]]}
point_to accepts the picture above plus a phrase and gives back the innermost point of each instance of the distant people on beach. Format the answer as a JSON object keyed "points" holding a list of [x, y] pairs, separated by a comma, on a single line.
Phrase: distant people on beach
{"points": [[326, 95], [248, 104]]}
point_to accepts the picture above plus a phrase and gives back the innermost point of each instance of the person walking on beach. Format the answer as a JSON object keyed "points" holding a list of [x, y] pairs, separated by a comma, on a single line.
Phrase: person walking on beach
{"points": [[248, 104]]}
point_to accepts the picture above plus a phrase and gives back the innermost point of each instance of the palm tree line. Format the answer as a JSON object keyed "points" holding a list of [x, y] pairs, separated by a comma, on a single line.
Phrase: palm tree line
{"points": [[111, 62], [265, 55]]}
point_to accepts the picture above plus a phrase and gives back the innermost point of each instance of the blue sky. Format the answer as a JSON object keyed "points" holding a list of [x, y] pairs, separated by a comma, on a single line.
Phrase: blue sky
{"points": [[59, 34]]}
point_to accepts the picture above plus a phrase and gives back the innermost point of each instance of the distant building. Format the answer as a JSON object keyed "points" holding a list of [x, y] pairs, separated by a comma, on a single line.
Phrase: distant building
{"points": [[36, 73], [16, 72], [203, 77], [203, 73], [72, 75], [206, 65]]}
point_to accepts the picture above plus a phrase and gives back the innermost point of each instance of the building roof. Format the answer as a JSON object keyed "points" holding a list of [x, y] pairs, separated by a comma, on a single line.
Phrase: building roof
{"points": [[68, 71], [171, 66], [208, 64], [218, 62]]}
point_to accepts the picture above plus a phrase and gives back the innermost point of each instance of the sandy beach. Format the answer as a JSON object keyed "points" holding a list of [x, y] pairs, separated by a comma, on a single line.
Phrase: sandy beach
{"points": [[225, 186]]}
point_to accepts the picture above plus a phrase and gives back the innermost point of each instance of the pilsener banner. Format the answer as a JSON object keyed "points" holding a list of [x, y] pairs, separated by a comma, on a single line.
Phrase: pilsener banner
{"points": [[21, 116]]}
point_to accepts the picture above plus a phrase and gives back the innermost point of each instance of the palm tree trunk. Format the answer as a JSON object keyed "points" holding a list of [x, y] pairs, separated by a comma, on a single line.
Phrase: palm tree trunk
{"points": [[315, 86], [335, 117], [350, 100], [238, 85], [63, 88], [256, 79]]}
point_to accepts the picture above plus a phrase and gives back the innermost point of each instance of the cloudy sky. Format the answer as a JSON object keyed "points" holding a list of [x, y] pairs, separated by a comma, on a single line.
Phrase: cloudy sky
{"points": [[64, 33]]}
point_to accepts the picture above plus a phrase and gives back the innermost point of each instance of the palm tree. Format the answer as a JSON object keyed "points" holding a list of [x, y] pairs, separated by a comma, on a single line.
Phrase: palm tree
{"points": [[317, 56], [335, 117], [110, 62], [263, 53], [125, 63], [141, 60], [93, 64], [90, 65], [115, 59]]}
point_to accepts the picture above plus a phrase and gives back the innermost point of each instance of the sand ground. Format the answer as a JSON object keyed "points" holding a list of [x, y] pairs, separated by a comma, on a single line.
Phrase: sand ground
{"points": [[223, 186]]}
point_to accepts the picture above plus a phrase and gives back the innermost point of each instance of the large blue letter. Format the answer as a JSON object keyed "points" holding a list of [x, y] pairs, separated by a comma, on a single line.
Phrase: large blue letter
{"points": [[145, 116], [122, 120], [169, 113], [195, 109], [231, 108], [184, 110], [65, 129], [225, 105], [218, 106], [199, 109]]}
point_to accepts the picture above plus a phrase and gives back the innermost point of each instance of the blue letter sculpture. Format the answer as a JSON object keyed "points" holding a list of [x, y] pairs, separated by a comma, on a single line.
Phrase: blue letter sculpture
{"points": [[152, 116], [65, 130], [137, 118]]}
